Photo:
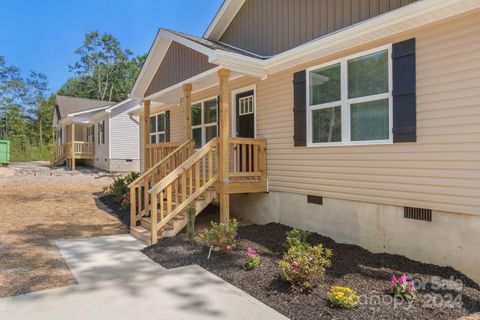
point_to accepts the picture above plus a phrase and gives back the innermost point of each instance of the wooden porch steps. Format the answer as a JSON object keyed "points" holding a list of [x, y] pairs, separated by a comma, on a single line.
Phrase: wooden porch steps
{"points": [[143, 233]]}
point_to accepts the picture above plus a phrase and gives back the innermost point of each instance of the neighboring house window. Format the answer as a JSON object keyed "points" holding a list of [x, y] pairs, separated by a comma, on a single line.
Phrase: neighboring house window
{"points": [[158, 125], [204, 121], [101, 132], [91, 134], [349, 100]]}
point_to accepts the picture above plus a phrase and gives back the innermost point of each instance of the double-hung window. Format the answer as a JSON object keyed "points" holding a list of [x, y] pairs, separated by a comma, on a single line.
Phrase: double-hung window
{"points": [[204, 121], [349, 100], [158, 127], [101, 132]]}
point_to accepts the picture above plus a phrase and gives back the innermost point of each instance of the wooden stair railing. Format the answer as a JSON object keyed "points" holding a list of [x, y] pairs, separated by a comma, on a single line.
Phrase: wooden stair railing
{"points": [[139, 196], [181, 187]]}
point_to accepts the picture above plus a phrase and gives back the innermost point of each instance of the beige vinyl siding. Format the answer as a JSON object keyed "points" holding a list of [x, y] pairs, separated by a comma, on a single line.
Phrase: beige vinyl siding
{"points": [[441, 171]]}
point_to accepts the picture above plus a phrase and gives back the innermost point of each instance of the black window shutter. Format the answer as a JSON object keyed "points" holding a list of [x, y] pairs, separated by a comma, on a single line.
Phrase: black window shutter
{"points": [[167, 126], [300, 108], [404, 92]]}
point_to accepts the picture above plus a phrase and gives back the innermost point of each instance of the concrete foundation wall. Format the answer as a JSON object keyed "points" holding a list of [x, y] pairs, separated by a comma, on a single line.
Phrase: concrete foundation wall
{"points": [[451, 239], [122, 165]]}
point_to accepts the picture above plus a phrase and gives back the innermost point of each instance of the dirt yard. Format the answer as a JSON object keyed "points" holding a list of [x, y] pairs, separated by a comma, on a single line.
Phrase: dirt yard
{"points": [[39, 205]]}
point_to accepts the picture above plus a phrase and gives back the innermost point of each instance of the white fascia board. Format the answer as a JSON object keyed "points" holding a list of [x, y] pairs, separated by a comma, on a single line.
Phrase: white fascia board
{"points": [[180, 84], [155, 57], [223, 18], [236, 62], [121, 103], [87, 111]]}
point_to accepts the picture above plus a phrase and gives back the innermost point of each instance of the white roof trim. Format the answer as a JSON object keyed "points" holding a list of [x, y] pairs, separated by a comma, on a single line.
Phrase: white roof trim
{"points": [[121, 103], [155, 57], [87, 111], [223, 18]]}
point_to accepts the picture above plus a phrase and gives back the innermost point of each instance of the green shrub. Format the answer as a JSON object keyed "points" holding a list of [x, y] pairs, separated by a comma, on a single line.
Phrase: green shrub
{"points": [[191, 212], [303, 264], [252, 263], [119, 188], [342, 297], [221, 236], [297, 237]]}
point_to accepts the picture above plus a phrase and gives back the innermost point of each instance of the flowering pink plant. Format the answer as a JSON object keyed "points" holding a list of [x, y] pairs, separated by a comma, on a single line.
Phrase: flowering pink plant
{"points": [[253, 259], [251, 252], [402, 287]]}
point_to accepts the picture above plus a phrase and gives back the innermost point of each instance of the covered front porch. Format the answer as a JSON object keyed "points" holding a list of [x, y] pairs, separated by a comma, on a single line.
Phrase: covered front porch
{"points": [[204, 166], [74, 142]]}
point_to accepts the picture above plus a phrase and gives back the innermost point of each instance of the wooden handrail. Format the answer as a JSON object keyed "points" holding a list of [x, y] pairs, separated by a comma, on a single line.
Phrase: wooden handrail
{"points": [[139, 197], [162, 162], [185, 165], [182, 186]]}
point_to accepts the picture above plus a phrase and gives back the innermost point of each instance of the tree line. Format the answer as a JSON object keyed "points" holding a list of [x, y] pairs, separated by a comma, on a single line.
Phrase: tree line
{"points": [[103, 70]]}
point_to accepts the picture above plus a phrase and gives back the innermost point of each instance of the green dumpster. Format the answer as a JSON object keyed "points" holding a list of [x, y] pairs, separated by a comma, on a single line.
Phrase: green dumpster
{"points": [[4, 152]]}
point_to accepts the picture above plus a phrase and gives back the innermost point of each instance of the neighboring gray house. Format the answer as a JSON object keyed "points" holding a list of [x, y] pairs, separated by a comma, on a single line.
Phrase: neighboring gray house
{"points": [[105, 135]]}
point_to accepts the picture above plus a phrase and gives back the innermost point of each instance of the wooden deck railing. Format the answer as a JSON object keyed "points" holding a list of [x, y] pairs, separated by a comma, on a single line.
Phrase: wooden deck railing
{"points": [[157, 152], [139, 197], [247, 158], [59, 152], [84, 148], [182, 186]]}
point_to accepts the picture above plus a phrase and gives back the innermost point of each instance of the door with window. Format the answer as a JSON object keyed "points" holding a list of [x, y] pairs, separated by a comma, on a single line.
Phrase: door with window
{"points": [[245, 114], [245, 123]]}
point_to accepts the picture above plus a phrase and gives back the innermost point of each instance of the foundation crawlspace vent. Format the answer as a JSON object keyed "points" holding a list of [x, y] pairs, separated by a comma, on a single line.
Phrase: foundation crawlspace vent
{"points": [[417, 214]]}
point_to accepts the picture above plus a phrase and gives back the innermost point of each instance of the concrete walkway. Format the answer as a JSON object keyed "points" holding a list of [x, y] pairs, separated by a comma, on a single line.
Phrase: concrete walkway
{"points": [[116, 281]]}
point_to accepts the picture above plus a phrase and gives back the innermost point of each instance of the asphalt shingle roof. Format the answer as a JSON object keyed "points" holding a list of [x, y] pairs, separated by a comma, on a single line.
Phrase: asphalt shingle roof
{"points": [[65, 105]]}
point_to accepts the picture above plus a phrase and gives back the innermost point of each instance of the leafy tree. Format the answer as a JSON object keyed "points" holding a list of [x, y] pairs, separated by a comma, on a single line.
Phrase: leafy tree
{"points": [[104, 71]]}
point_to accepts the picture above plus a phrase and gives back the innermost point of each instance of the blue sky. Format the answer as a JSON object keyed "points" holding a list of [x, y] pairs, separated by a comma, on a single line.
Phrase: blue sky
{"points": [[42, 35]]}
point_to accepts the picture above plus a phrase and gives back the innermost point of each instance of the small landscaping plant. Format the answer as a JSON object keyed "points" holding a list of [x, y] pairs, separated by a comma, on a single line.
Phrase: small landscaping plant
{"points": [[191, 223], [297, 237], [253, 259], [402, 287], [303, 264], [119, 188], [221, 236], [342, 297]]}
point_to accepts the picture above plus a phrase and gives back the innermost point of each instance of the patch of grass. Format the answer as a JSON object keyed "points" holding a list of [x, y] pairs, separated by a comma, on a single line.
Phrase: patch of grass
{"points": [[30, 153]]}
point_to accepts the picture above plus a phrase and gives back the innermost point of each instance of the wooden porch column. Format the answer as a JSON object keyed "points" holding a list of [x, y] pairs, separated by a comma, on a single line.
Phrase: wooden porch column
{"points": [[73, 146], [146, 133], [223, 173], [187, 102]]}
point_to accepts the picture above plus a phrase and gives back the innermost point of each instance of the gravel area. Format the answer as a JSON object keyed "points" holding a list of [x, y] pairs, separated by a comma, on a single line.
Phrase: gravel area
{"points": [[352, 266], [38, 205]]}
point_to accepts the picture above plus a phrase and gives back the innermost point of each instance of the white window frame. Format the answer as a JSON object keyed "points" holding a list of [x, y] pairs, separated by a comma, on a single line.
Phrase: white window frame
{"points": [[345, 102], [204, 125], [247, 104], [157, 133]]}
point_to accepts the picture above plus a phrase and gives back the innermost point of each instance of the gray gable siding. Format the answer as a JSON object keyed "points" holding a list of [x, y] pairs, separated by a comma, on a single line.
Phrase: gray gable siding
{"points": [[180, 63], [268, 27]]}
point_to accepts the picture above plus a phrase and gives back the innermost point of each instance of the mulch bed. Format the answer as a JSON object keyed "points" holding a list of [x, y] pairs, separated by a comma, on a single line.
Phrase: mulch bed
{"points": [[114, 208], [365, 272]]}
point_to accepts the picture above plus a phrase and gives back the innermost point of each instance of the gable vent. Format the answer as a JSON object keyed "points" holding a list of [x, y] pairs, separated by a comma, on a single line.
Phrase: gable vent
{"points": [[417, 214]]}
